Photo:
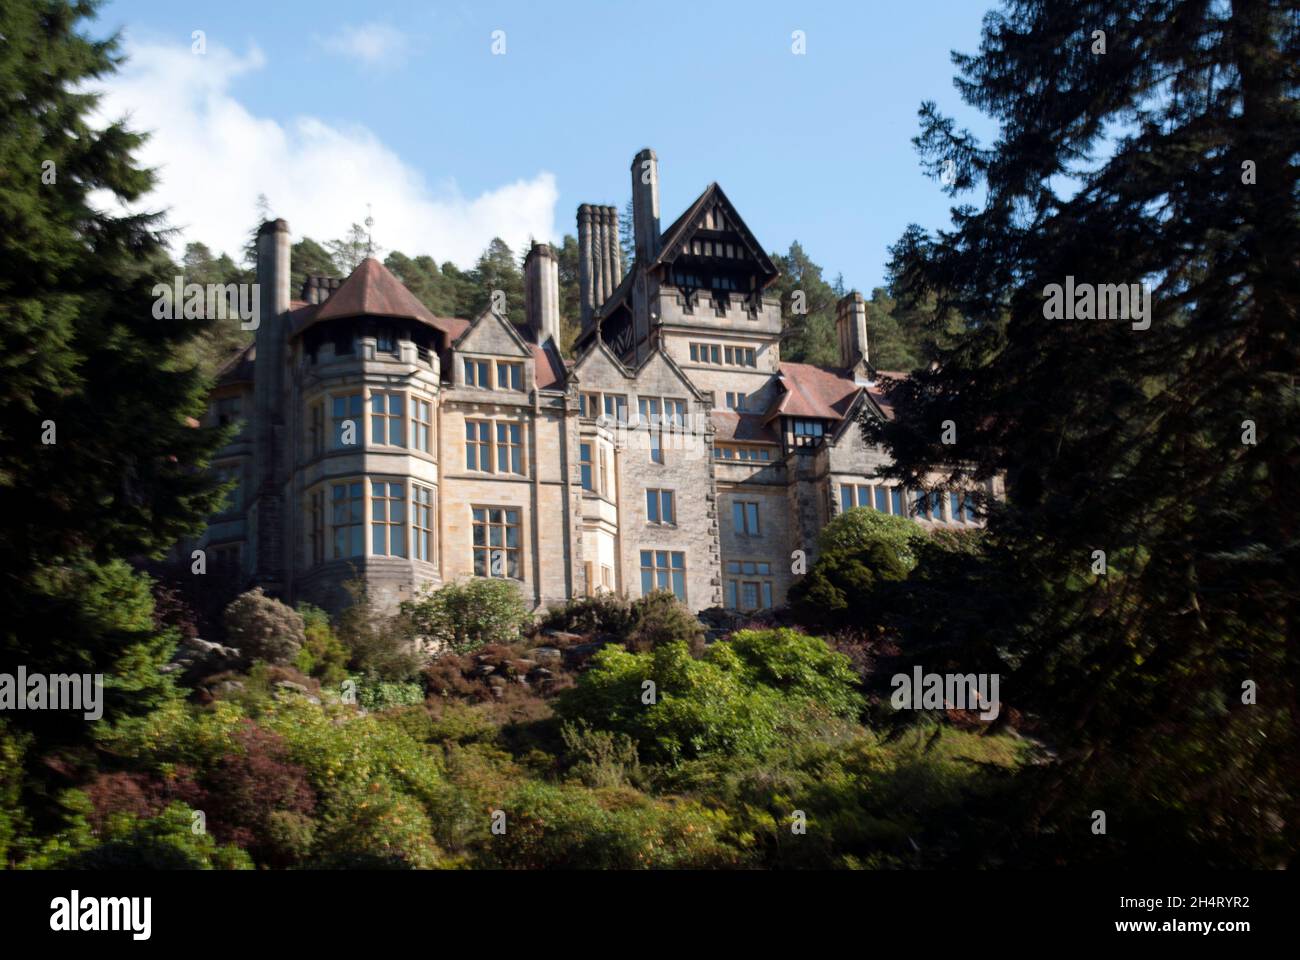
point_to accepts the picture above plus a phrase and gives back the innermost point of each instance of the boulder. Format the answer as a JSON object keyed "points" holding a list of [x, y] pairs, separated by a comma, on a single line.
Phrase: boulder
{"points": [[196, 657]]}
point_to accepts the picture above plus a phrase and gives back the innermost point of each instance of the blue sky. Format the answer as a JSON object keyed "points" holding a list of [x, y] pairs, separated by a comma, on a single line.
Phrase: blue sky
{"points": [[326, 107]]}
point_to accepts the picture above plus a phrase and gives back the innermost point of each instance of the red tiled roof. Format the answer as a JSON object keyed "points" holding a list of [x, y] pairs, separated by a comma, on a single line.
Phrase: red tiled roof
{"points": [[547, 372], [741, 428], [881, 395], [812, 391], [372, 291]]}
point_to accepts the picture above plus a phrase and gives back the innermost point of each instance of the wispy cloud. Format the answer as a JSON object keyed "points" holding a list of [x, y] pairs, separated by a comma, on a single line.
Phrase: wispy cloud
{"points": [[214, 157], [373, 44]]}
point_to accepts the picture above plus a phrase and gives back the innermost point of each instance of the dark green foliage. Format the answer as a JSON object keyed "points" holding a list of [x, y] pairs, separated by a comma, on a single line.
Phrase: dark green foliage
{"points": [[605, 613], [659, 618], [427, 282], [307, 258], [642, 624], [381, 645], [348, 252], [863, 556], [739, 699], [809, 335], [86, 365], [465, 615], [323, 654], [1127, 167], [222, 339]]}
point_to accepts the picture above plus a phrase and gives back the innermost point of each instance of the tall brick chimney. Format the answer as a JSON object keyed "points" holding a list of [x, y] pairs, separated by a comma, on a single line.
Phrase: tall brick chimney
{"points": [[851, 324], [542, 292], [268, 401], [586, 287], [645, 204], [600, 259]]}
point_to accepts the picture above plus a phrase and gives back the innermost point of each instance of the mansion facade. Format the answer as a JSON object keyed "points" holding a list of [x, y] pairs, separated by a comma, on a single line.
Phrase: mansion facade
{"points": [[674, 451]]}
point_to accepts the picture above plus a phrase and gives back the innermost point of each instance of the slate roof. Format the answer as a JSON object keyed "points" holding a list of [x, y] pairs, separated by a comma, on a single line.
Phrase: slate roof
{"points": [[824, 393], [372, 291], [742, 428], [239, 368]]}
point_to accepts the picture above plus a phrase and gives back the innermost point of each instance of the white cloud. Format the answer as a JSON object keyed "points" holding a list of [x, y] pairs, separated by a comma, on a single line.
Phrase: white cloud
{"points": [[214, 157], [373, 44]]}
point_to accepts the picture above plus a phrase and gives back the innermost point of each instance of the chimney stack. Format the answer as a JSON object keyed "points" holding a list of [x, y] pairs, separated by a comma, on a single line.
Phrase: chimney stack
{"points": [[615, 250], [542, 292], [586, 289], [608, 248], [269, 398], [851, 324], [317, 289], [600, 259], [645, 204], [273, 267]]}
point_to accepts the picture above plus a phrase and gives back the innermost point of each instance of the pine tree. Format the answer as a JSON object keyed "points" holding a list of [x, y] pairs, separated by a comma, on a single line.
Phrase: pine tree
{"points": [[307, 258], [1144, 570], [808, 306], [347, 252], [498, 269], [97, 440], [220, 340]]}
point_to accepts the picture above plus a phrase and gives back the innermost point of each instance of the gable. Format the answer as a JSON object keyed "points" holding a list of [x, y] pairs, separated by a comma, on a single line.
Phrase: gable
{"points": [[658, 374], [599, 369], [712, 230], [492, 335]]}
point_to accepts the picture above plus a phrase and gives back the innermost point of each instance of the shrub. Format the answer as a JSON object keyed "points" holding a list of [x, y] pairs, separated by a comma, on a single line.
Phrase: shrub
{"points": [[862, 554], [699, 706], [373, 694], [263, 628], [799, 666], [379, 792], [740, 698], [166, 841], [380, 644], [250, 784], [13, 818], [659, 618], [463, 616], [861, 527], [134, 794], [558, 827], [605, 613], [170, 609], [323, 654], [600, 758]]}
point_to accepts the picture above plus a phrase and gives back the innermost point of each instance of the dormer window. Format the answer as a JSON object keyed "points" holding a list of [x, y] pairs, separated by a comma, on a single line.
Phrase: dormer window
{"points": [[808, 433]]}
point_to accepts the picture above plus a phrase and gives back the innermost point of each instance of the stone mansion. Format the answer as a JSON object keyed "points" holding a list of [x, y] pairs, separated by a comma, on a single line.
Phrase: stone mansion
{"points": [[675, 450]]}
